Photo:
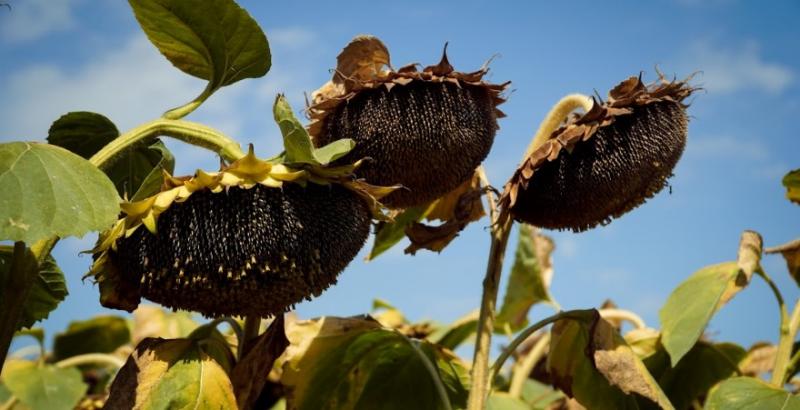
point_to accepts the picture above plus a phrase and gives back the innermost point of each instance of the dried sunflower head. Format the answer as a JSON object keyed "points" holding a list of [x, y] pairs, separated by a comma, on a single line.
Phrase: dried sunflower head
{"points": [[425, 130], [604, 163], [252, 239]]}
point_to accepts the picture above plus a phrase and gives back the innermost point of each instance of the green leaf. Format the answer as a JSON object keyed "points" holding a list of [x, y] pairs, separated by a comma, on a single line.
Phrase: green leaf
{"points": [[49, 191], [102, 334], [747, 393], [45, 387], [333, 151], [692, 304], [171, 374], [504, 401], [792, 183], [137, 173], [82, 132], [388, 234], [529, 281], [453, 335], [296, 140], [591, 362], [49, 288], [539, 396], [213, 343], [703, 367], [353, 363], [215, 40]]}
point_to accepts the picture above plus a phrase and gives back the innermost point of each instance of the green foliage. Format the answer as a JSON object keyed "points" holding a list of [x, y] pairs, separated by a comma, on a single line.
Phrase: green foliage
{"points": [[529, 281], [137, 173], [792, 183], [171, 373], [49, 288], [297, 142], [49, 191], [747, 393], [389, 234], [690, 307], [102, 334], [215, 40], [353, 363], [43, 387]]}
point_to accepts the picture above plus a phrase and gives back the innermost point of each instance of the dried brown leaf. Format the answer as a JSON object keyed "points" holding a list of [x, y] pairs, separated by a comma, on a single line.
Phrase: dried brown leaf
{"points": [[250, 375], [362, 59], [759, 360], [791, 253]]}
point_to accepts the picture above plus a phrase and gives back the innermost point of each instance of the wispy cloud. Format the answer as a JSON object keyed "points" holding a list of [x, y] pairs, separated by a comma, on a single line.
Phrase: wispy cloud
{"points": [[727, 69], [29, 20], [728, 147]]}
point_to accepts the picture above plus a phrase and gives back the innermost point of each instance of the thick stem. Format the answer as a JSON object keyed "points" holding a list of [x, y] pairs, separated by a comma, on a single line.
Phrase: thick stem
{"points": [[190, 132], [556, 116], [483, 342], [621, 314], [252, 325], [783, 359]]}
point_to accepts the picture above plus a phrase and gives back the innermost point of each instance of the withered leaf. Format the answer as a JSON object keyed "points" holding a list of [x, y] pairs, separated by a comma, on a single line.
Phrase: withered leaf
{"points": [[792, 183], [791, 253], [760, 359], [362, 59], [250, 375], [457, 209]]}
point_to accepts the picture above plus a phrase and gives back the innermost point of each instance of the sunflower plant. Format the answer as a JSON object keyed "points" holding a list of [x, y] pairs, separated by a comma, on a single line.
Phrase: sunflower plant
{"points": [[393, 150]]}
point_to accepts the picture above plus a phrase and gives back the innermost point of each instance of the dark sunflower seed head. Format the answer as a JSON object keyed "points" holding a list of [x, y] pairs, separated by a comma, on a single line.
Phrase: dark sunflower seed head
{"points": [[241, 251]]}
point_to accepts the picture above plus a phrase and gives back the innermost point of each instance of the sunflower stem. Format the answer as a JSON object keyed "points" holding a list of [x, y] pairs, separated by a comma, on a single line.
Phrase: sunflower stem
{"points": [[186, 131], [186, 109], [556, 117], [252, 325]]}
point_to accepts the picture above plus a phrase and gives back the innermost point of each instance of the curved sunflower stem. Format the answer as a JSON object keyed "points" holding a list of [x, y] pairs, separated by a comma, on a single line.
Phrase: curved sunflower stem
{"points": [[186, 131], [556, 117], [92, 358], [525, 367], [626, 315]]}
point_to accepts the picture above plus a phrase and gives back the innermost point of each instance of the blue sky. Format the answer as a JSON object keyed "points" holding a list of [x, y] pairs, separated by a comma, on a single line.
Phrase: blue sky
{"points": [[58, 56]]}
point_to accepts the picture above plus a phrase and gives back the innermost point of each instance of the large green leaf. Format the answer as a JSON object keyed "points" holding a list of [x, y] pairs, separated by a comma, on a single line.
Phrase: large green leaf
{"points": [[792, 183], [171, 374], [354, 363], [529, 281], [137, 173], [215, 40], [102, 334], [44, 387], [692, 304], [747, 393], [539, 396], [591, 362], [504, 401], [49, 288], [49, 191], [456, 333], [388, 234]]}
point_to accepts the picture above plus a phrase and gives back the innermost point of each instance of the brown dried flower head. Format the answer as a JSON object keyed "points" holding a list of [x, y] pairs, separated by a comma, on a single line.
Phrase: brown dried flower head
{"points": [[605, 162], [425, 130]]}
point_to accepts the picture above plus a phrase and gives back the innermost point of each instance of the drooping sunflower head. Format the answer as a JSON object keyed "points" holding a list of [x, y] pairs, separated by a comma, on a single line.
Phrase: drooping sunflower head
{"points": [[604, 163], [254, 238], [425, 130]]}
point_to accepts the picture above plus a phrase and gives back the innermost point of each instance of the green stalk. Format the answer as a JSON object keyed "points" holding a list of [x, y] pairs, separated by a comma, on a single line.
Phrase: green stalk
{"points": [[186, 109], [15, 291], [252, 325], [501, 228]]}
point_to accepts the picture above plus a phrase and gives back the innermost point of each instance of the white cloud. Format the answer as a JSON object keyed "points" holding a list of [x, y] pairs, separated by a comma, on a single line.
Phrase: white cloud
{"points": [[728, 70], [31, 19], [290, 37], [728, 147]]}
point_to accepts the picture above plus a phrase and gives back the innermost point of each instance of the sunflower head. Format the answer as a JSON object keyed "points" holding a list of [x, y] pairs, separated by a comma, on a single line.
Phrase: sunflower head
{"points": [[254, 238], [605, 162], [425, 130]]}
